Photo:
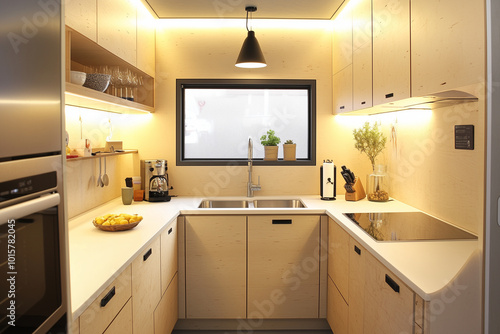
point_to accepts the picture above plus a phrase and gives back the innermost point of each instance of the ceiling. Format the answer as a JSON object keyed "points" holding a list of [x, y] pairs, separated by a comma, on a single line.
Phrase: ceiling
{"points": [[235, 9]]}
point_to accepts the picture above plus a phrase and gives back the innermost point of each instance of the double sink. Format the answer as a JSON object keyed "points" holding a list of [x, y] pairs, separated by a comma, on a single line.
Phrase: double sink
{"points": [[257, 203]]}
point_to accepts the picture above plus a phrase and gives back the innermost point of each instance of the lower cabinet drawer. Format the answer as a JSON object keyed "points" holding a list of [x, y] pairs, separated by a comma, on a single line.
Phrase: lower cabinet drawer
{"points": [[123, 321], [97, 317]]}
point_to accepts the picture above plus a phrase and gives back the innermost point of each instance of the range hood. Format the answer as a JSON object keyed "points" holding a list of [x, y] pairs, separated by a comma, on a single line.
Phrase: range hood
{"points": [[429, 102]]}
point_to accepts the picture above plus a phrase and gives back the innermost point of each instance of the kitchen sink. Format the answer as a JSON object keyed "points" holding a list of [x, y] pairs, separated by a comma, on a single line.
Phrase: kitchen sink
{"points": [[258, 203], [220, 204], [278, 203]]}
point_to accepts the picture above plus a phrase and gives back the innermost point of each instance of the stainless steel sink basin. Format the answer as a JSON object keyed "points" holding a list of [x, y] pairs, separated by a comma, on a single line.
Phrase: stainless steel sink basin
{"points": [[278, 203], [219, 204], [258, 203]]}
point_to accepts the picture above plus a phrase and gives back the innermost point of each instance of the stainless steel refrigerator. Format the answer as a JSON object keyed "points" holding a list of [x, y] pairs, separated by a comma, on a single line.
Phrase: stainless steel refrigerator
{"points": [[33, 236]]}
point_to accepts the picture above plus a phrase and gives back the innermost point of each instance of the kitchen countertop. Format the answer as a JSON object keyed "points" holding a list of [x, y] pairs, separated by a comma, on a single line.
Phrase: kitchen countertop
{"points": [[97, 257]]}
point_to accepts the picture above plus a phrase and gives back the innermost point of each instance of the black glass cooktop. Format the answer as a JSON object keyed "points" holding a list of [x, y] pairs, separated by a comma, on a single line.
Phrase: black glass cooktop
{"points": [[406, 226]]}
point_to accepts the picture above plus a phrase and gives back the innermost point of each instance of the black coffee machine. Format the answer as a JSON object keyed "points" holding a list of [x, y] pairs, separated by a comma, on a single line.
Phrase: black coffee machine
{"points": [[156, 181]]}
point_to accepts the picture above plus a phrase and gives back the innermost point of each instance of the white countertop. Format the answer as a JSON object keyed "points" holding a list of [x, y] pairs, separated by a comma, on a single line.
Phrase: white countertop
{"points": [[97, 257]]}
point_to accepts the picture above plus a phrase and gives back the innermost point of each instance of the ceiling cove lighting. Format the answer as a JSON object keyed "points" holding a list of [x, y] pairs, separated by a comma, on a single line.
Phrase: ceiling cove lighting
{"points": [[250, 55]]}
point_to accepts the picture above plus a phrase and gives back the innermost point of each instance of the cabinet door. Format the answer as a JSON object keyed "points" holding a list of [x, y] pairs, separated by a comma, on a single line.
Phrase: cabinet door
{"points": [[283, 267], [146, 287], [146, 40], [81, 15], [388, 302], [342, 91], [391, 50], [123, 321], [342, 40], [117, 21], [168, 255], [337, 311], [357, 266], [446, 46], [338, 258], [166, 313], [104, 309], [216, 267], [362, 55]]}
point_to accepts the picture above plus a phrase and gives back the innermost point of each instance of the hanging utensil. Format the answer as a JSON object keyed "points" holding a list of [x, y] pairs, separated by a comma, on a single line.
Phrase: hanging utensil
{"points": [[105, 178], [99, 180]]}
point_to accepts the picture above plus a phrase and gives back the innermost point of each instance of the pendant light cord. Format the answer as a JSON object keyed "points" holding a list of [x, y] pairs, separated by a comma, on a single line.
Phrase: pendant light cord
{"points": [[247, 21]]}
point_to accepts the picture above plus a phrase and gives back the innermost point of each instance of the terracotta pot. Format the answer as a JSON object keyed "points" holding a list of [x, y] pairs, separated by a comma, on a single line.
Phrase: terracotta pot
{"points": [[289, 152], [271, 152]]}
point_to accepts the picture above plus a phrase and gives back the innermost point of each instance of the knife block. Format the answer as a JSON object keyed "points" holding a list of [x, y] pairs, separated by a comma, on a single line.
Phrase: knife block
{"points": [[359, 191]]}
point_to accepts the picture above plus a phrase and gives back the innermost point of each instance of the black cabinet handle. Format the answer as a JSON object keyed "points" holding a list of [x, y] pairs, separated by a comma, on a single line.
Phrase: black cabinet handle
{"points": [[170, 231], [364, 102], [148, 254], [357, 250], [391, 283], [342, 107], [388, 96], [282, 221], [105, 300]]}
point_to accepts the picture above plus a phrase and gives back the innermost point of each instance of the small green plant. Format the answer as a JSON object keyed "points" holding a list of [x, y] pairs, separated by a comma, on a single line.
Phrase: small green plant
{"points": [[369, 140], [270, 139], [289, 141]]}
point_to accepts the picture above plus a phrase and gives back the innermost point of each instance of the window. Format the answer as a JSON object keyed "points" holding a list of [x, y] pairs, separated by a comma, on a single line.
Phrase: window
{"points": [[215, 118]]}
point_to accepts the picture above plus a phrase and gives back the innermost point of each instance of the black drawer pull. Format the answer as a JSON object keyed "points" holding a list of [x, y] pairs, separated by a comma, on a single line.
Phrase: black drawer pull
{"points": [[388, 96], [357, 250], [364, 102], [391, 283], [148, 254], [107, 298], [170, 231], [342, 107], [282, 221]]}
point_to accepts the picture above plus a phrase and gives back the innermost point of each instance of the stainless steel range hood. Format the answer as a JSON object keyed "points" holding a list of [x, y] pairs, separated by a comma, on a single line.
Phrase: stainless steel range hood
{"points": [[430, 102]]}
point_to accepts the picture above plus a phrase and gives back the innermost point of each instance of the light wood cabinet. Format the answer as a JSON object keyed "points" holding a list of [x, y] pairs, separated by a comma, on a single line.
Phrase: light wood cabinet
{"points": [[447, 50], [123, 321], [342, 90], [216, 267], [337, 310], [146, 287], [283, 266], [338, 258], [166, 313], [168, 255], [357, 277], [81, 15], [99, 315], [146, 41], [342, 40], [117, 22], [389, 303], [391, 50]]}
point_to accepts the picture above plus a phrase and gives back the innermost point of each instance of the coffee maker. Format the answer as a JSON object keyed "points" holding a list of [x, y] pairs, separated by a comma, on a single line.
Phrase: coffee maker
{"points": [[155, 178]]}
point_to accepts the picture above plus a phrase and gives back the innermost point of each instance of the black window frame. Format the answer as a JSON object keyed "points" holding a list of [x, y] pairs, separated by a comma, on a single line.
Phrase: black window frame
{"points": [[181, 84]]}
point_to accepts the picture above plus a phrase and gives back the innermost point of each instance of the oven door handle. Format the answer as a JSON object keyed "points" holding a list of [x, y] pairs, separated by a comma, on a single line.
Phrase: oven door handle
{"points": [[27, 208]]}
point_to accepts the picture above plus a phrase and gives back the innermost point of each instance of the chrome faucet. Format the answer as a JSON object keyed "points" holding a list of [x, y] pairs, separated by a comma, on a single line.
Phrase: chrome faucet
{"points": [[251, 187]]}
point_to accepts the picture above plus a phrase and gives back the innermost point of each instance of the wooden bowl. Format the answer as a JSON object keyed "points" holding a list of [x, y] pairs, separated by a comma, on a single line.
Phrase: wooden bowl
{"points": [[115, 228]]}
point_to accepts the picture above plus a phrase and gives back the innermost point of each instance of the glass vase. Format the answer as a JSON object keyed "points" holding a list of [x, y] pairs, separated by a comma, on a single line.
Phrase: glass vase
{"points": [[378, 185]]}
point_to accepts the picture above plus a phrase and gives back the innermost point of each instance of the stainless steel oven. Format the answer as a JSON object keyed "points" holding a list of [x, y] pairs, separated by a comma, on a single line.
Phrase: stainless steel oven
{"points": [[33, 268]]}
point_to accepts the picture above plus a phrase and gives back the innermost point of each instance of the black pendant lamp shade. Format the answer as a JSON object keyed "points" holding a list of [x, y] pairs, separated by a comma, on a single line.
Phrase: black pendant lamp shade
{"points": [[250, 55]]}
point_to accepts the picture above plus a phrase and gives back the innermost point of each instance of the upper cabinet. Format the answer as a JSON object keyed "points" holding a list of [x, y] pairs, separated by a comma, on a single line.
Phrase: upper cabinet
{"points": [[342, 40], [391, 50], [81, 15], [146, 41], [447, 45]]}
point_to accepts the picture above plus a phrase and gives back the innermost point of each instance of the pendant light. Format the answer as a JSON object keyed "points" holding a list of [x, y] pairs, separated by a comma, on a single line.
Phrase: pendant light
{"points": [[250, 55]]}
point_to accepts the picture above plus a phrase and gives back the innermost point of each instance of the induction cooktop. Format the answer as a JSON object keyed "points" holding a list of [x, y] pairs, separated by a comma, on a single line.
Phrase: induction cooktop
{"points": [[406, 226]]}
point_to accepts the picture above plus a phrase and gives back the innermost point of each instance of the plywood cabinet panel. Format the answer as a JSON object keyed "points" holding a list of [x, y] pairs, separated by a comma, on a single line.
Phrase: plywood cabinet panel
{"points": [[146, 287], [146, 41], [342, 91], [391, 50], [168, 255], [117, 21], [357, 272], [446, 45], [342, 40], [337, 311], [167, 311], [338, 260], [123, 321], [81, 15], [283, 266], [216, 267]]}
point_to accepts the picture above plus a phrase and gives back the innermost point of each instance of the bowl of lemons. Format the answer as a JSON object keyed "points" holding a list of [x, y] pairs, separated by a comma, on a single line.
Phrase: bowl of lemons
{"points": [[117, 222]]}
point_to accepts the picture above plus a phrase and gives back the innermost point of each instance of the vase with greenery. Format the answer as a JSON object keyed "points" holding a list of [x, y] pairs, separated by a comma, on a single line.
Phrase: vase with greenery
{"points": [[270, 142], [371, 141], [289, 149]]}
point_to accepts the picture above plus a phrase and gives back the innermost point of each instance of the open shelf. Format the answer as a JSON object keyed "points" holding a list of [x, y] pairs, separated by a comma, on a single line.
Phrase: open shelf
{"points": [[83, 53], [99, 155]]}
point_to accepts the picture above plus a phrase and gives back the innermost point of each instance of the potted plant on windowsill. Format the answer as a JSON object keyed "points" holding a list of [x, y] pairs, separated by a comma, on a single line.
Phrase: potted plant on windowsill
{"points": [[289, 149], [270, 142]]}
